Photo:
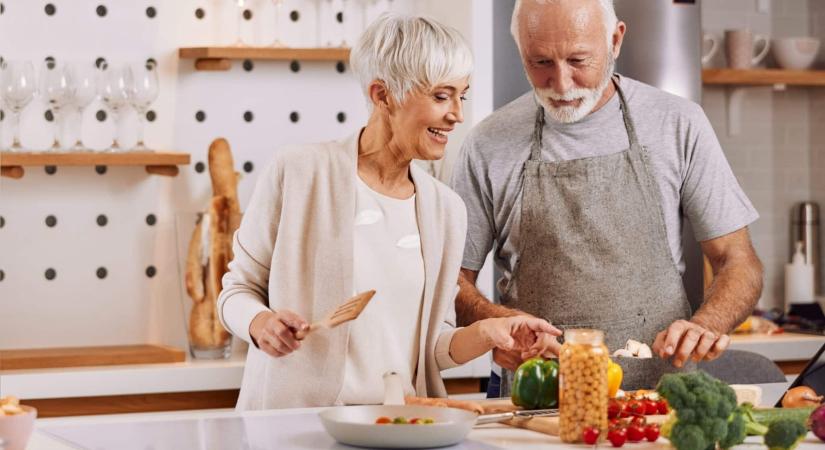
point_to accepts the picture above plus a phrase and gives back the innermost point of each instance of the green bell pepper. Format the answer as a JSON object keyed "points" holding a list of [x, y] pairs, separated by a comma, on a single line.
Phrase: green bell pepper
{"points": [[536, 384]]}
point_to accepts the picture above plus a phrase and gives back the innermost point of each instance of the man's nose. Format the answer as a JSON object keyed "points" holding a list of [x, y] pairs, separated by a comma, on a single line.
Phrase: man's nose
{"points": [[561, 79]]}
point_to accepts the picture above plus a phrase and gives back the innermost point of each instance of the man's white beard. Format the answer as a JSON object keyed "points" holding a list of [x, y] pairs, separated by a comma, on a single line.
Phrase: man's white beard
{"points": [[589, 98]]}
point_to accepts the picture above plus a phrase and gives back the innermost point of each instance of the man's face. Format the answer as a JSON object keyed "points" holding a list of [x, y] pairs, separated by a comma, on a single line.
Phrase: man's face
{"points": [[566, 56]]}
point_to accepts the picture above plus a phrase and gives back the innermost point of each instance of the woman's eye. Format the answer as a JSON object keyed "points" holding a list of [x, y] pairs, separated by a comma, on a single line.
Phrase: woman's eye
{"points": [[442, 97], [463, 98]]}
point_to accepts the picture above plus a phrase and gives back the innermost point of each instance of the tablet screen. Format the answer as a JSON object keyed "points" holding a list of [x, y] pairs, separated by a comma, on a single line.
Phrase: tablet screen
{"points": [[813, 375]]}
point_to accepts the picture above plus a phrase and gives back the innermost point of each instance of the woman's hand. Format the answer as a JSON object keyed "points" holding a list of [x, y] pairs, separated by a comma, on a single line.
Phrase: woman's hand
{"points": [[274, 332], [528, 335]]}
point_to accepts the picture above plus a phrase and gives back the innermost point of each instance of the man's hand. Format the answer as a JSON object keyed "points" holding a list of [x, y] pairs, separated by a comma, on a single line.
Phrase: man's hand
{"points": [[274, 332], [684, 339]]}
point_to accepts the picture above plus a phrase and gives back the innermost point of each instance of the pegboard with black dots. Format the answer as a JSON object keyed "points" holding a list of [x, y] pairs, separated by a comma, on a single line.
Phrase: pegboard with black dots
{"points": [[94, 255]]}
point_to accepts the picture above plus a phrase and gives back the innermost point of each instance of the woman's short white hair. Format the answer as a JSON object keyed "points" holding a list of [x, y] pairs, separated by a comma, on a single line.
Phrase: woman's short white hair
{"points": [[608, 16], [406, 52]]}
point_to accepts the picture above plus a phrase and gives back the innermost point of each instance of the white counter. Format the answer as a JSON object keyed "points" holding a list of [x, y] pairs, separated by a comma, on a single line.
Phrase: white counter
{"points": [[275, 429], [779, 347]]}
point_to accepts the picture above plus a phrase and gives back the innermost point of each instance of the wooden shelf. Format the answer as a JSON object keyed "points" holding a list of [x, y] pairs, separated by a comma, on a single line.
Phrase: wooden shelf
{"points": [[158, 163], [763, 77], [53, 358], [220, 58]]}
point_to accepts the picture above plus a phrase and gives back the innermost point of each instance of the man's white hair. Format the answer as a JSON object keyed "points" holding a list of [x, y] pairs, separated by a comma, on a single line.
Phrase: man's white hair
{"points": [[408, 51], [608, 16]]}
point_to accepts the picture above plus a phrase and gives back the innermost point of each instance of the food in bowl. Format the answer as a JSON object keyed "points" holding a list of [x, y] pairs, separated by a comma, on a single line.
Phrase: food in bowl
{"points": [[10, 406], [16, 423], [383, 420]]}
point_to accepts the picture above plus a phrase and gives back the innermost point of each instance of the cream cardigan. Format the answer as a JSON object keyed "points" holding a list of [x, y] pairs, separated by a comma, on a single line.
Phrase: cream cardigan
{"points": [[294, 250]]}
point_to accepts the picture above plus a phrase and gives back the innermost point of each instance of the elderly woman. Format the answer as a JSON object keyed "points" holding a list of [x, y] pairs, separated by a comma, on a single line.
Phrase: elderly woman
{"points": [[328, 220]]}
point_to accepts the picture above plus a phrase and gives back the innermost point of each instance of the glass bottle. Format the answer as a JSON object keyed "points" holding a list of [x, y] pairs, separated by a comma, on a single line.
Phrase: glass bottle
{"points": [[582, 384]]}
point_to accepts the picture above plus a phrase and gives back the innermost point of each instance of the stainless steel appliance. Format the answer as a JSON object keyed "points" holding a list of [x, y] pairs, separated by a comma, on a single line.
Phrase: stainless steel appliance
{"points": [[805, 229]]}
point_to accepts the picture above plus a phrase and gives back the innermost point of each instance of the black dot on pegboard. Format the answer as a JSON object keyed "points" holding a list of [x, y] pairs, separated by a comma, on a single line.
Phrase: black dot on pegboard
{"points": [[340, 67], [2, 8], [248, 167], [200, 13], [100, 170], [101, 10], [50, 62], [295, 66], [200, 167], [2, 275], [102, 220], [100, 115], [247, 14], [151, 220], [342, 117], [102, 272], [294, 117], [51, 274], [101, 63], [151, 64], [51, 170], [151, 271], [340, 17], [2, 115], [200, 116], [151, 116], [151, 12], [51, 221], [294, 16], [248, 116], [48, 115], [2, 221], [248, 65], [50, 9]]}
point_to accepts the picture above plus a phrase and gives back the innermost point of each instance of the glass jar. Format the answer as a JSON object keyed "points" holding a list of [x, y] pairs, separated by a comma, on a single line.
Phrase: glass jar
{"points": [[583, 398]]}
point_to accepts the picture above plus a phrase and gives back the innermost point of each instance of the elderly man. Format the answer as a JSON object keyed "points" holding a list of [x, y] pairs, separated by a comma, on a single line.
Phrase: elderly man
{"points": [[582, 185]]}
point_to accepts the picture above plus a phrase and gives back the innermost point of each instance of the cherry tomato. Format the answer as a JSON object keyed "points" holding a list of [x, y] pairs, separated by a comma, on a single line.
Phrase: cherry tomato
{"points": [[651, 407], [635, 433], [663, 406], [640, 421], [617, 436], [590, 435], [614, 408], [415, 420], [636, 408], [652, 432], [615, 422], [383, 420]]}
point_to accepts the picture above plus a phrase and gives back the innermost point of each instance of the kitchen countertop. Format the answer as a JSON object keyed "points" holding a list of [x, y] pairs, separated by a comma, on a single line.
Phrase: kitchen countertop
{"points": [[780, 346], [275, 429]]}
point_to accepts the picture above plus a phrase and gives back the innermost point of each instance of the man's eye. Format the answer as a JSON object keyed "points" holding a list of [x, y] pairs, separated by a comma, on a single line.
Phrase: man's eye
{"points": [[576, 60]]}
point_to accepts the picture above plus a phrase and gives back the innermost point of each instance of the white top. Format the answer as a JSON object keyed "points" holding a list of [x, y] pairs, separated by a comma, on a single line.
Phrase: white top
{"points": [[387, 258]]}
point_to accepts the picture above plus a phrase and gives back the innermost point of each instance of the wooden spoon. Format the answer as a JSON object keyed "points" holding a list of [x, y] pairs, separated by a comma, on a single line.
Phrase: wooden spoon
{"points": [[347, 311]]}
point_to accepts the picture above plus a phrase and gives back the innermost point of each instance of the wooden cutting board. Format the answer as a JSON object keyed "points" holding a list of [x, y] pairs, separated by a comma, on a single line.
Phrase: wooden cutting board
{"points": [[545, 425], [50, 358]]}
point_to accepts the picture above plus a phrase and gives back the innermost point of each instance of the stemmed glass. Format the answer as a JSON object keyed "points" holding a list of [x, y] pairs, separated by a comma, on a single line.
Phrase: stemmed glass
{"points": [[144, 91], [85, 81], [17, 87], [58, 89], [116, 90], [278, 6], [240, 5]]}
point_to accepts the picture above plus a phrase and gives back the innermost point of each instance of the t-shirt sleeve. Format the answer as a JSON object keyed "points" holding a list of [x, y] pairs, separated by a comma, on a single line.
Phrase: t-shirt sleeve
{"points": [[469, 181], [711, 196]]}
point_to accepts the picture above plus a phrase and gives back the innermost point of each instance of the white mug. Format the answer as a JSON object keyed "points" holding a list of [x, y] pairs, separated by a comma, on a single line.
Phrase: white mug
{"points": [[710, 46], [740, 46]]}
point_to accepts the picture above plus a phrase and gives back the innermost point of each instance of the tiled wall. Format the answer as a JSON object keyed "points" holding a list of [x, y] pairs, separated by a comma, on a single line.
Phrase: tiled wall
{"points": [[779, 155]]}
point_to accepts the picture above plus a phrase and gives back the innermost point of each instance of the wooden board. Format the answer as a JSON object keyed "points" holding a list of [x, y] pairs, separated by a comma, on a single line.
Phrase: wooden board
{"points": [[50, 358], [550, 425], [137, 403], [93, 159], [764, 77], [265, 53]]}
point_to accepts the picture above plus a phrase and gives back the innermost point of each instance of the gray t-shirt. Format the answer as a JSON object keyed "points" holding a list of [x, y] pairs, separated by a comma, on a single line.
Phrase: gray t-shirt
{"points": [[688, 164]]}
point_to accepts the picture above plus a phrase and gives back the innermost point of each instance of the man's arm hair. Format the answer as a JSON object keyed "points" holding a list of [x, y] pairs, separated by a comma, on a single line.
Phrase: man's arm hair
{"points": [[471, 305], [737, 282]]}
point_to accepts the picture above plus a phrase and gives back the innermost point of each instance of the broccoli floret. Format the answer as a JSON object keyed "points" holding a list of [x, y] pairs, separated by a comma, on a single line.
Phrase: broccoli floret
{"points": [[785, 434], [704, 408], [752, 427]]}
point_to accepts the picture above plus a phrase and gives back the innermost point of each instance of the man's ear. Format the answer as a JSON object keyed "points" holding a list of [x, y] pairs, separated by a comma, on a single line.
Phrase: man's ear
{"points": [[618, 38]]}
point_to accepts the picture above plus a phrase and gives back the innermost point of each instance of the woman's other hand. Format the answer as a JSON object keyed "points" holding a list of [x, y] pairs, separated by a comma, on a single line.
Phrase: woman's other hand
{"points": [[525, 334], [274, 332]]}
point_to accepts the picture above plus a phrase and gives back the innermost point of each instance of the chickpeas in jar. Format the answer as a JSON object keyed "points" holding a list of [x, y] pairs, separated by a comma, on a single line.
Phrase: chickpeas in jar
{"points": [[583, 362]]}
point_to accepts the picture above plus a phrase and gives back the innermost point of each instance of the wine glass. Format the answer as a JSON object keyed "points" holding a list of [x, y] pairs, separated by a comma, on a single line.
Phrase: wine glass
{"points": [[278, 6], [85, 80], [17, 87], [116, 90], [240, 5], [144, 91], [57, 88]]}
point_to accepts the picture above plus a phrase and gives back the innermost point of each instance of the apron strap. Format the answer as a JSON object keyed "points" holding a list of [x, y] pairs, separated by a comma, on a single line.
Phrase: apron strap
{"points": [[538, 129]]}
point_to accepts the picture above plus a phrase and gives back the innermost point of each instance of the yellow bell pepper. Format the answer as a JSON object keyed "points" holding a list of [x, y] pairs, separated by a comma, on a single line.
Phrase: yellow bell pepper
{"points": [[614, 378]]}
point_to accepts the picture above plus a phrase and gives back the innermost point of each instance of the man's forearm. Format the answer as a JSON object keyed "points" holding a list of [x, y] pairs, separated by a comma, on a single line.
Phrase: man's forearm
{"points": [[732, 296], [471, 305]]}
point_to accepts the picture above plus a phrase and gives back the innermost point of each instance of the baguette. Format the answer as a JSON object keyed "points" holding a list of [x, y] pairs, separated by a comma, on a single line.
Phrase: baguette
{"points": [[445, 403], [194, 269], [200, 325]]}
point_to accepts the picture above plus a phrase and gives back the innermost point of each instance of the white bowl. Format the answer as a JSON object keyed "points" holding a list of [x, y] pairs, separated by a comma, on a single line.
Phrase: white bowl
{"points": [[355, 425], [797, 53], [15, 430]]}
